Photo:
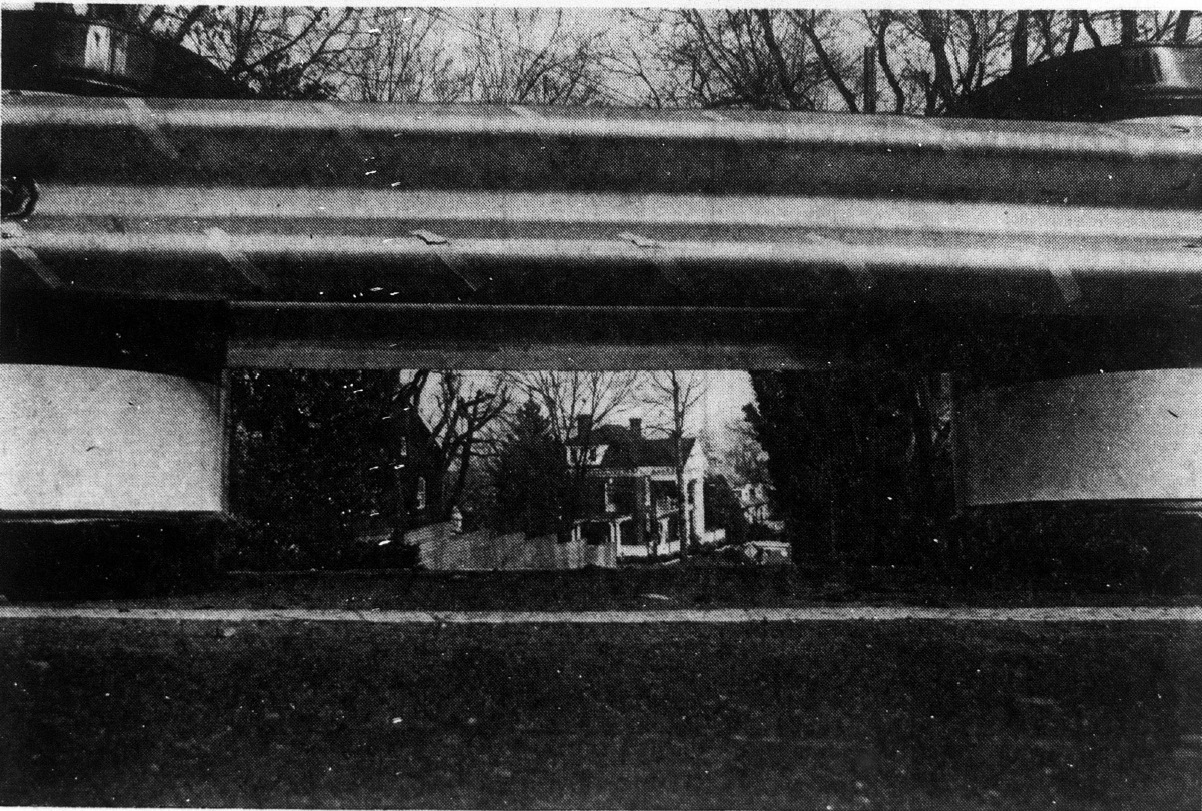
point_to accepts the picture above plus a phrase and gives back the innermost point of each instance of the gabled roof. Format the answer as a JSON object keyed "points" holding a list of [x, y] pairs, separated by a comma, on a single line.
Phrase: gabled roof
{"points": [[719, 480], [625, 451], [604, 435]]}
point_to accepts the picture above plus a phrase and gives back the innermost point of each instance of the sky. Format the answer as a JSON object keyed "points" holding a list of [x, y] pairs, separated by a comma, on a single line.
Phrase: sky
{"points": [[724, 395]]}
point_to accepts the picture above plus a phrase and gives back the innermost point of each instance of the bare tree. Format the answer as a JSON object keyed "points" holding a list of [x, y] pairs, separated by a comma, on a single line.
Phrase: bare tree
{"points": [[463, 419], [733, 58], [454, 422], [1181, 27], [172, 23], [811, 59], [743, 455], [292, 54], [399, 54], [575, 404], [818, 27], [530, 56], [677, 394], [964, 50], [762, 59], [279, 51], [566, 396], [878, 24]]}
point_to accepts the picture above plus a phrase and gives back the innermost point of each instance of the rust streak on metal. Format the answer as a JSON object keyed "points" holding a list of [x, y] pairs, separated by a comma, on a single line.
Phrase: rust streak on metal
{"points": [[146, 120], [450, 258], [224, 244], [14, 241]]}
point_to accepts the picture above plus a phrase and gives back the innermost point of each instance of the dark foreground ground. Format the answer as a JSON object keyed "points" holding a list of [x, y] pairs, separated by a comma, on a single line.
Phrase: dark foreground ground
{"points": [[853, 715], [628, 588]]}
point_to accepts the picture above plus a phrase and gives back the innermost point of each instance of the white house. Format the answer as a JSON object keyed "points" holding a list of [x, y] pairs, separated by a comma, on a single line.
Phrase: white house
{"points": [[630, 501]]}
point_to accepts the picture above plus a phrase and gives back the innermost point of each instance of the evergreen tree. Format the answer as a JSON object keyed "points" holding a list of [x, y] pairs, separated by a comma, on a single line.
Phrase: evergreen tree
{"points": [[852, 461], [529, 472], [309, 448]]}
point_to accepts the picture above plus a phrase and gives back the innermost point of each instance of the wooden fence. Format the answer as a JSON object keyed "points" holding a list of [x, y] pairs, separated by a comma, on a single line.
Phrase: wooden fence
{"points": [[443, 549]]}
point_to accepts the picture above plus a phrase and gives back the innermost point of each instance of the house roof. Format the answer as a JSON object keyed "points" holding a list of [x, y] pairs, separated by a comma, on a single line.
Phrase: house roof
{"points": [[626, 450], [719, 479]]}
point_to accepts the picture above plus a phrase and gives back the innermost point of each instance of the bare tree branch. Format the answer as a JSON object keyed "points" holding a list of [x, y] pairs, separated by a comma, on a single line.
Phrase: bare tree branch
{"points": [[935, 32], [1086, 19], [1181, 27], [787, 85], [185, 27], [678, 394], [878, 25], [806, 21]]}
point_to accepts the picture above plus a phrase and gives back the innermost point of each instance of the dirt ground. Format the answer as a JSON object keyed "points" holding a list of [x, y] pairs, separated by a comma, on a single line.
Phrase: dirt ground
{"points": [[888, 715], [633, 588]]}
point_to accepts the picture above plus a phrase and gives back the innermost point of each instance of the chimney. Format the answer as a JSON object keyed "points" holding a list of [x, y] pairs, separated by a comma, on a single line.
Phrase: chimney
{"points": [[584, 424], [636, 427]]}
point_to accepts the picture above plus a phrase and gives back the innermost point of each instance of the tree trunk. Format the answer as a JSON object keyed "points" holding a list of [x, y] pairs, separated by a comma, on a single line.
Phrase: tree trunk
{"points": [[882, 58], [828, 66], [451, 499], [1087, 23], [1181, 28], [869, 82], [935, 33], [1018, 43], [1128, 27]]}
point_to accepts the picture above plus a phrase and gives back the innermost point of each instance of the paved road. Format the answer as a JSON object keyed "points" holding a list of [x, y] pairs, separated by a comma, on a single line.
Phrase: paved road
{"points": [[723, 615]]}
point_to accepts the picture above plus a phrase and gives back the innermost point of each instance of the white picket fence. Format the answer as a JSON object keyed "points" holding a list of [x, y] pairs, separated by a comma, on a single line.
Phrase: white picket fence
{"points": [[443, 549]]}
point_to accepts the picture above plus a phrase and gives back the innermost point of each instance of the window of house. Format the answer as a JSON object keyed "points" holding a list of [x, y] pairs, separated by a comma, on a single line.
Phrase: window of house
{"points": [[584, 456], [419, 495]]}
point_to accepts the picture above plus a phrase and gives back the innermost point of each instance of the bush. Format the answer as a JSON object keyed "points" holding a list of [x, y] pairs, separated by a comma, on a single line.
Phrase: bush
{"points": [[272, 546]]}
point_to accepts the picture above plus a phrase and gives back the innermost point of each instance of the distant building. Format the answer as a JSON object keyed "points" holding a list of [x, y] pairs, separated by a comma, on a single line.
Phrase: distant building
{"points": [[93, 50], [753, 498], [417, 482], [420, 476], [629, 501]]}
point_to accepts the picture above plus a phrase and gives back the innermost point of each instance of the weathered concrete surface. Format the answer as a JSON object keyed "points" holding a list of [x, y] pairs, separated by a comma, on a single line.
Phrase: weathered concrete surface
{"points": [[1098, 437], [91, 439]]}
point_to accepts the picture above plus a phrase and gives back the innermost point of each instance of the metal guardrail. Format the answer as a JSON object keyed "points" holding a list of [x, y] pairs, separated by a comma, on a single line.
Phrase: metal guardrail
{"points": [[164, 142], [282, 207]]}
